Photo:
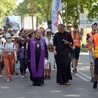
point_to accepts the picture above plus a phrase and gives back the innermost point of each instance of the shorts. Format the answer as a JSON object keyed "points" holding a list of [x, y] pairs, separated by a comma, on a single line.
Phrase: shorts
{"points": [[96, 66], [76, 52], [90, 57]]}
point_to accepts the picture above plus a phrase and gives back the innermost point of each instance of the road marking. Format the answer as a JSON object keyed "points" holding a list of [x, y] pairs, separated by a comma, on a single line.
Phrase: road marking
{"points": [[84, 53], [55, 91], [85, 79], [88, 77]]}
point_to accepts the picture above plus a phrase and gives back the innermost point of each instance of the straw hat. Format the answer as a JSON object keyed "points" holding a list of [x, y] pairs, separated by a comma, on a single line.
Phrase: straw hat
{"points": [[69, 25], [16, 36]]}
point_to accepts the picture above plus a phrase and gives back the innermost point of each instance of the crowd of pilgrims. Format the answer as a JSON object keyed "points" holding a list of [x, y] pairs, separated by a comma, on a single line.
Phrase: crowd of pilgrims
{"points": [[35, 52]]}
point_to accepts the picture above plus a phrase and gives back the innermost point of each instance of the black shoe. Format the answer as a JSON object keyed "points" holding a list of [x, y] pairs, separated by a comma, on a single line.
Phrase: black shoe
{"points": [[45, 77], [16, 73], [92, 79], [95, 85], [67, 83], [61, 83], [40, 85], [34, 84]]}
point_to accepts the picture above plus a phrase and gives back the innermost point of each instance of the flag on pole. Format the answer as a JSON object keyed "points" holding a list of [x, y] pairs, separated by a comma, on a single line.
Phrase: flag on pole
{"points": [[56, 7]]}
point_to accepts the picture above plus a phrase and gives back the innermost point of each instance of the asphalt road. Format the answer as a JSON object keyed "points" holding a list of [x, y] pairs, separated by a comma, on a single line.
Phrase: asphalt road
{"points": [[80, 87]]}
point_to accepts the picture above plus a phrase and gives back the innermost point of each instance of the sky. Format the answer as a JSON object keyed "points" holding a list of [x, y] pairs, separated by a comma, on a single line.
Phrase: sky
{"points": [[18, 1]]}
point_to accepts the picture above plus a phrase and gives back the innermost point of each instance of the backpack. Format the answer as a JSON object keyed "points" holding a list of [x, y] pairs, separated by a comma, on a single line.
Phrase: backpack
{"points": [[22, 54]]}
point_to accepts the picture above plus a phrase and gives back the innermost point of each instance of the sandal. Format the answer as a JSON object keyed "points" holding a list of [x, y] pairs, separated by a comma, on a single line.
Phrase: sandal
{"points": [[67, 83], [74, 71]]}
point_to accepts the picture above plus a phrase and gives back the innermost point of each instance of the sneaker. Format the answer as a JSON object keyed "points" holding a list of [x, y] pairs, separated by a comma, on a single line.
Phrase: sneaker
{"points": [[92, 79], [16, 73], [67, 83], [7, 80], [0, 76], [22, 76], [95, 85]]}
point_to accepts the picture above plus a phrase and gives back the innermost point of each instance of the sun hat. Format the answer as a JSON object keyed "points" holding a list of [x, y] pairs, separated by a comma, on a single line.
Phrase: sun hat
{"points": [[69, 25], [8, 35], [48, 31], [16, 36]]}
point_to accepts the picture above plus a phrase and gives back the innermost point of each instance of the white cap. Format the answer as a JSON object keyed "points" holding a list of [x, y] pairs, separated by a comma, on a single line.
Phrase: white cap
{"points": [[48, 30], [69, 25], [94, 23], [8, 35], [16, 36]]}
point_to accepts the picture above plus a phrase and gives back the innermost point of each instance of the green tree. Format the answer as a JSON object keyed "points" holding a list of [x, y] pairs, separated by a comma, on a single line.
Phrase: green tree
{"points": [[42, 9], [74, 7], [93, 11], [39, 8], [6, 8]]}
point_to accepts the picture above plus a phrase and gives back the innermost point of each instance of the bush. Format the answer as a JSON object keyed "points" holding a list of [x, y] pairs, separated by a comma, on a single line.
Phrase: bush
{"points": [[84, 49]]}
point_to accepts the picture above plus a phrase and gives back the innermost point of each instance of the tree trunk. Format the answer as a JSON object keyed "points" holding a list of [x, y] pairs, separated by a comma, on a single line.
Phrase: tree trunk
{"points": [[81, 9], [77, 13]]}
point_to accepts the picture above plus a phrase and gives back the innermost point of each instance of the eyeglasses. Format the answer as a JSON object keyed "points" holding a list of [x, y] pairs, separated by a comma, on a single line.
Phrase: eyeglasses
{"points": [[49, 32]]}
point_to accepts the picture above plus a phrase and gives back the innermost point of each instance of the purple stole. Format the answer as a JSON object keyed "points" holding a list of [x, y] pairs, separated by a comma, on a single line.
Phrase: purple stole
{"points": [[39, 72]]}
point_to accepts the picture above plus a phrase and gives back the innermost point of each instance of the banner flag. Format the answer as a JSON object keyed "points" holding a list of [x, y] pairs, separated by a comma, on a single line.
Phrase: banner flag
{"points": [[56, 7]]}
